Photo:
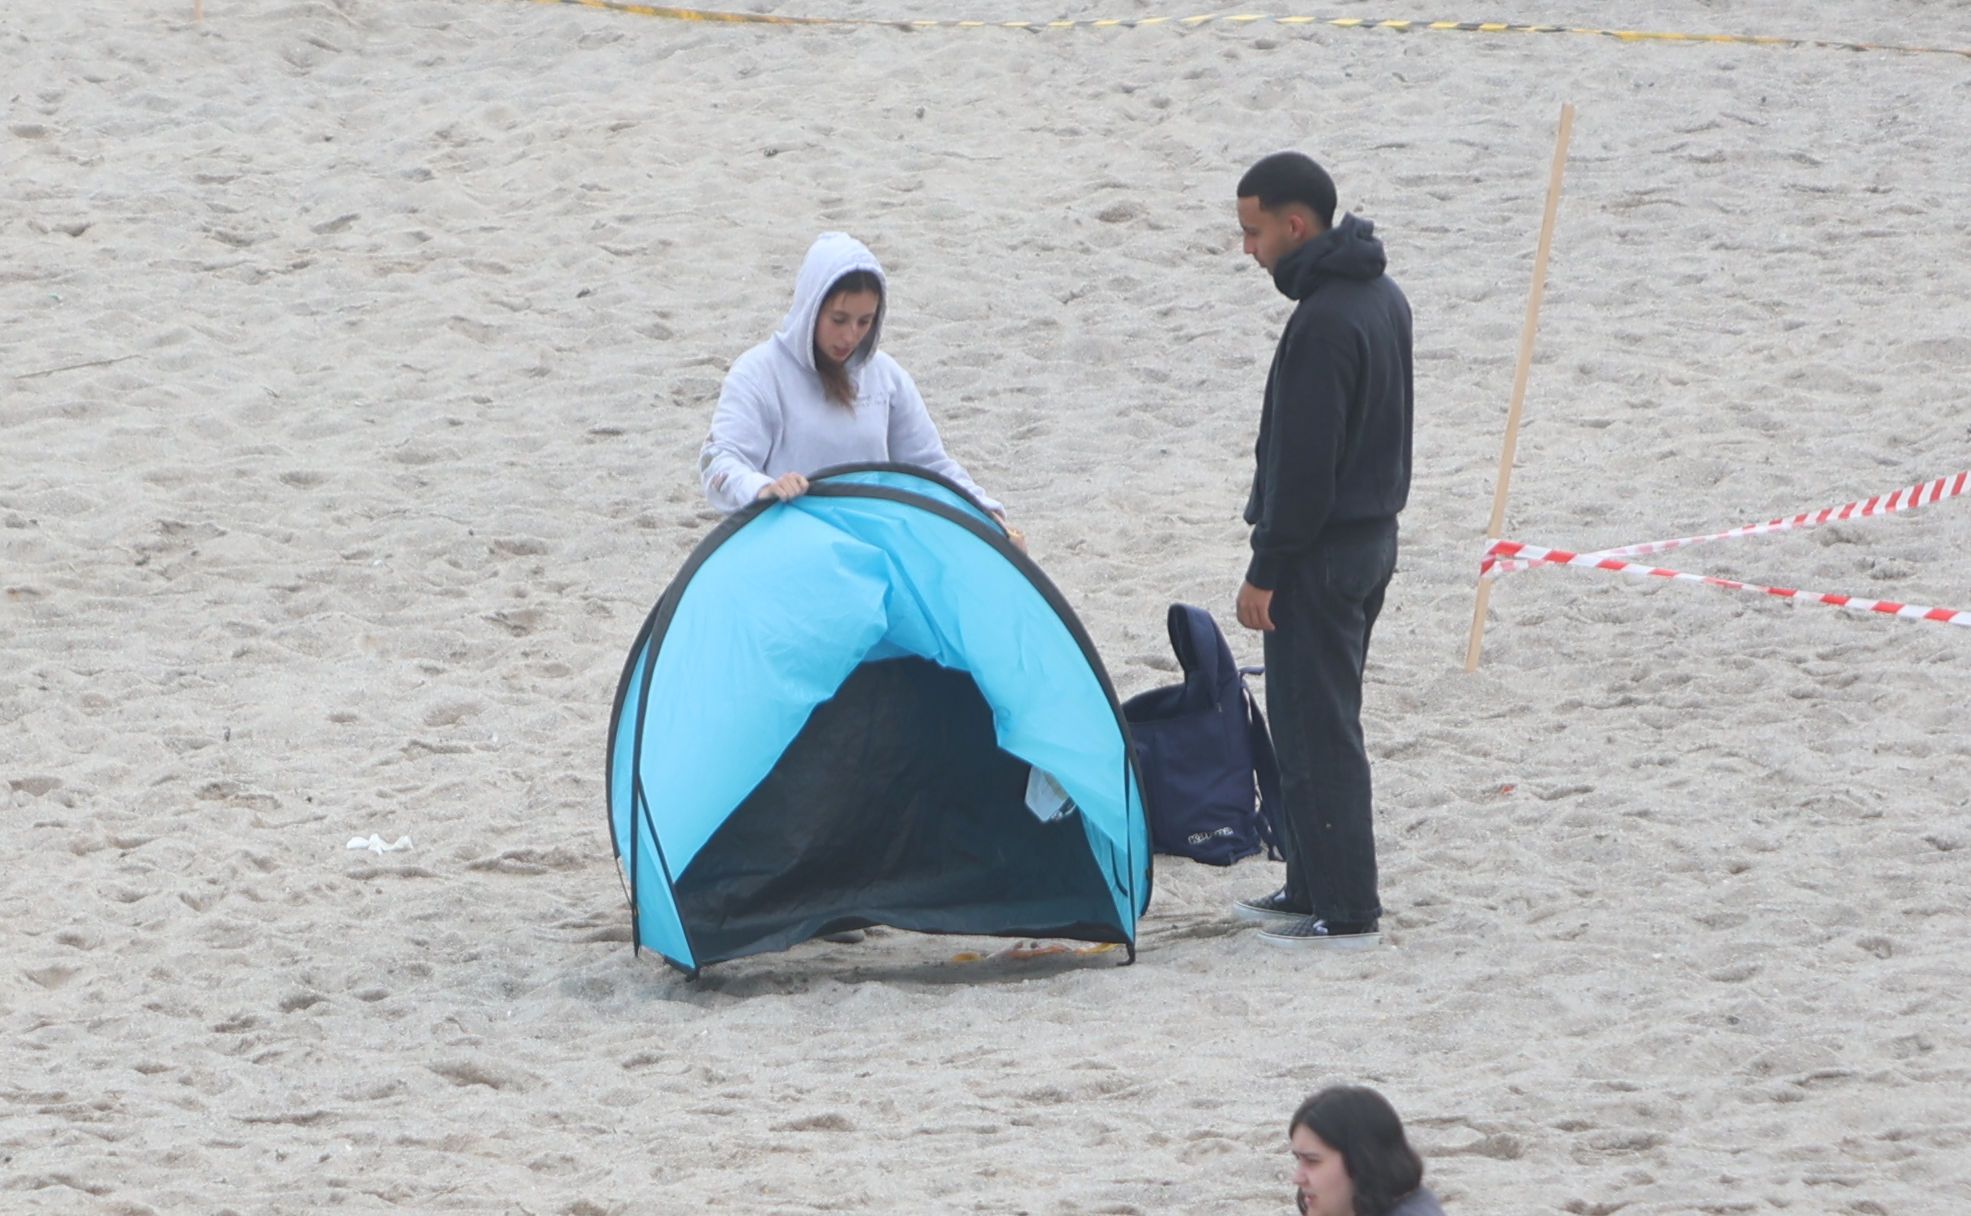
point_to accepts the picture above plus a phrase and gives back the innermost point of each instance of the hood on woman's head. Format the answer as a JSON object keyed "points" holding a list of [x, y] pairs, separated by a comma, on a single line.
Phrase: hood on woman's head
{"points": [[833, 255]]}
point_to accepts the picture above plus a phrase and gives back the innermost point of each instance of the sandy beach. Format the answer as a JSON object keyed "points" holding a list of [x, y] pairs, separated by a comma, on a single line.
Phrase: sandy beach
{"points": [[355, 360]]}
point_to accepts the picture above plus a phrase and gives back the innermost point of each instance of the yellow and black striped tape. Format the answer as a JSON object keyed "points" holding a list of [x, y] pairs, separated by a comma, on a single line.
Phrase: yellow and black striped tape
{"points": [[1342, 23], [710, 17]]}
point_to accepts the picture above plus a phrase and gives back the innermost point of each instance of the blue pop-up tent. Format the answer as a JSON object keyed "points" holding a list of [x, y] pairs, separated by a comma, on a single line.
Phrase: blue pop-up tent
{"points": [[865, 707]]}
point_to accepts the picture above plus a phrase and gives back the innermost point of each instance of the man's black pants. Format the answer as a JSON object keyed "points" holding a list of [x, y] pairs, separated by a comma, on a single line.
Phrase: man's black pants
{"points": [[1323, 611]]}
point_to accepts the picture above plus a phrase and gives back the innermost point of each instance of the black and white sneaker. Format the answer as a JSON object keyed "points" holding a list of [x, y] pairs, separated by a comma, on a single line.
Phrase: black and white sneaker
{"points": [[1270, 909], [1313, 933]]}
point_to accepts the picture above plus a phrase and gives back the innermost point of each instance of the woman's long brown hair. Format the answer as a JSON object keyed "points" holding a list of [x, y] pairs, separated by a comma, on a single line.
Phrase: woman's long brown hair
{"points": [[835, 380]]}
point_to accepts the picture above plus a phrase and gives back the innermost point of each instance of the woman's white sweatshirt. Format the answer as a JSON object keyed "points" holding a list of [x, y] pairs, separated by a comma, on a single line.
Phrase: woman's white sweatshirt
{"points": [[774, 417]]}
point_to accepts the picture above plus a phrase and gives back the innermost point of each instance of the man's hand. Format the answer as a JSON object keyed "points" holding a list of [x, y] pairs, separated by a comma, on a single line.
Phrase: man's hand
{"points": [[784, 487], [1255, 608]]}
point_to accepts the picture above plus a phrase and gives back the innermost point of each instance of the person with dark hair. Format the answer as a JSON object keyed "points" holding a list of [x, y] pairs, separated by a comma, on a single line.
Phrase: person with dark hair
{"points": [[819, 393], [1350, 1158], [1274, 182], [1333, 470]]}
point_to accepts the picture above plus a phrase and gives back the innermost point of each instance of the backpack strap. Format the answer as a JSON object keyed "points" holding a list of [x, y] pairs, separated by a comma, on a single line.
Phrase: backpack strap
{"points": [[1265, 766], [1201, 649]]}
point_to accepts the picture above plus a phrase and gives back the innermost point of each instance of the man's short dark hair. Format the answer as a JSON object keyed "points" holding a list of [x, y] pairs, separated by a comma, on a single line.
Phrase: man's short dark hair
{"points": [[1291, 177]]}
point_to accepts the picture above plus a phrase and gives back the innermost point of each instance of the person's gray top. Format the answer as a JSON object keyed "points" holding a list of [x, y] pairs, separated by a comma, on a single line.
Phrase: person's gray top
{"points": [[1419, 1202]]}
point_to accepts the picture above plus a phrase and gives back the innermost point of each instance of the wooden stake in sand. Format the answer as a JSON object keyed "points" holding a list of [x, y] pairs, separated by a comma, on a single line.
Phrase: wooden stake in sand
{"points": [[198, 10], [1519, 376]]}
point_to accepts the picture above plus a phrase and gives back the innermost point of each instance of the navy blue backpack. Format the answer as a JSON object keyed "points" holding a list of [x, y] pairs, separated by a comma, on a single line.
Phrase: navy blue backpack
{"points": [[1202, 750]]}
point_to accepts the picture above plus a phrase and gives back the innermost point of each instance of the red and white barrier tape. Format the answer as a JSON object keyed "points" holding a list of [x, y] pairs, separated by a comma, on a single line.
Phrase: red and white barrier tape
{"points": [[1905, 499], [1535, 555]]}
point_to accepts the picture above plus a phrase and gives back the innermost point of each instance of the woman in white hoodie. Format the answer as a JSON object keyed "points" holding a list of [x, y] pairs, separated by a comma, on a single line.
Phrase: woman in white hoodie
{"points": [[819, 393]]}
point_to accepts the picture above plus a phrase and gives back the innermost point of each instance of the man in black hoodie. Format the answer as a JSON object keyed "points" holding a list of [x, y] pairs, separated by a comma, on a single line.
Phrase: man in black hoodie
{"points": [[1333, 471]]}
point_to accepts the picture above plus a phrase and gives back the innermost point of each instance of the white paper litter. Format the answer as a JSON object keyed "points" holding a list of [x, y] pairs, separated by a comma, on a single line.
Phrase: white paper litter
{"points": [[375, 844]]}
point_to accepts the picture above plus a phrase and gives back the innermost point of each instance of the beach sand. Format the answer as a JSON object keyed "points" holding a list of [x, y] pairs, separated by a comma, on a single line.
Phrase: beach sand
{"points": [[355, 361]]}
